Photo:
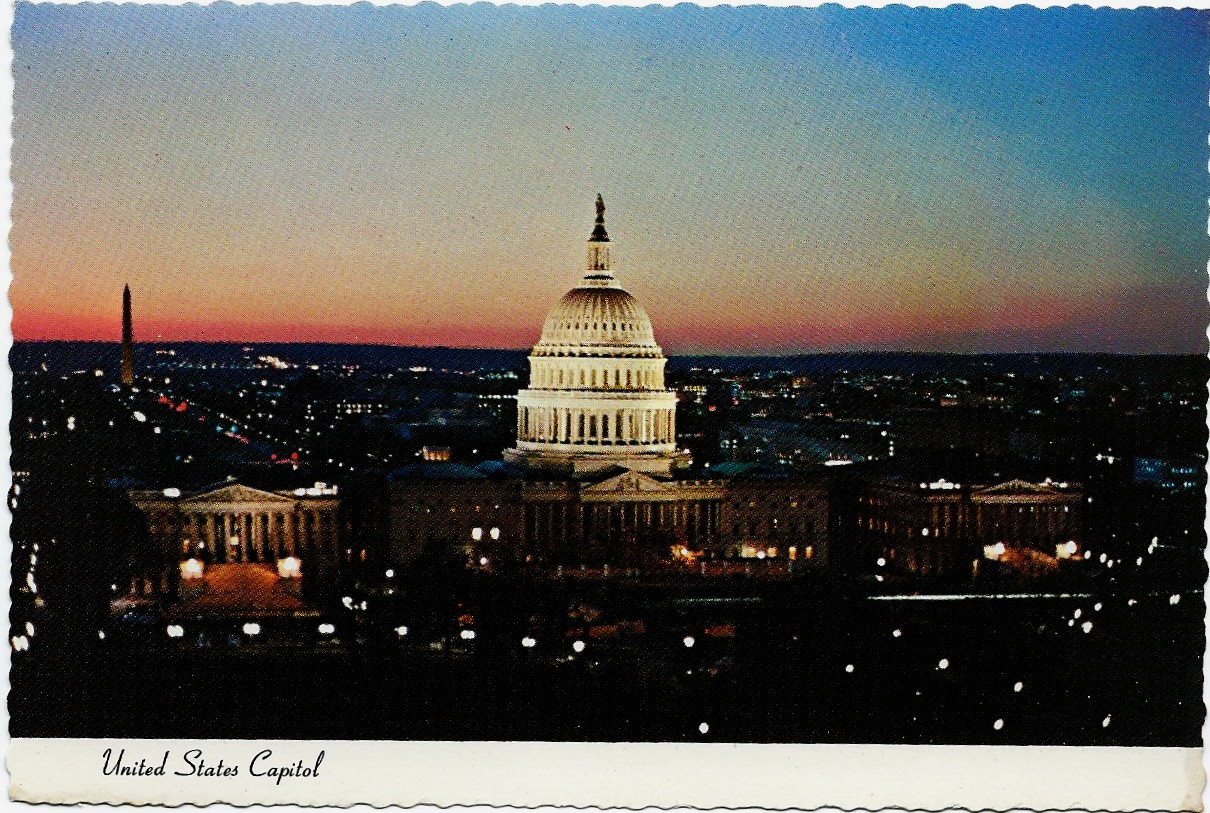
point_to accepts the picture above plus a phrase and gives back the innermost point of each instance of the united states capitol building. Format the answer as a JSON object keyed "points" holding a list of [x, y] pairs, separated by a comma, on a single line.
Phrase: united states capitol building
{"points": [[595, 480], [596, 476]]}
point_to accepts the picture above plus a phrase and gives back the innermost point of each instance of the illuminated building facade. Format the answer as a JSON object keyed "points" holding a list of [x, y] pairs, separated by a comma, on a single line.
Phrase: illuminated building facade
{"points": [[233, 523], [941, 527], [620, 517]]}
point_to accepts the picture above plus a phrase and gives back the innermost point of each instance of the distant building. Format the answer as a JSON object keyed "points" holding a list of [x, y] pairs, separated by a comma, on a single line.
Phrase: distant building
{"points": [[1168, 474], [941, 527], [232, 523]]}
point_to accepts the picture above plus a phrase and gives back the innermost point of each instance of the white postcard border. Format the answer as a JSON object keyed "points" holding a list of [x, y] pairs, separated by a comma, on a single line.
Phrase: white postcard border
{"points": [[619, 775]]}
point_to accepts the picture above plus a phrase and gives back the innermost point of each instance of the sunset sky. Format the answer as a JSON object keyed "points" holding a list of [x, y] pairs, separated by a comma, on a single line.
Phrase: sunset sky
{"points": [[777, 180]]}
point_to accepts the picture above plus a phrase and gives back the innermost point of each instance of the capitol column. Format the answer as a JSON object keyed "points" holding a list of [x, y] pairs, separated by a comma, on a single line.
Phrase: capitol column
{"points": [[249, 522], [245, 532], [217, 540], [279, 533], [283, 532], [290, 520]]}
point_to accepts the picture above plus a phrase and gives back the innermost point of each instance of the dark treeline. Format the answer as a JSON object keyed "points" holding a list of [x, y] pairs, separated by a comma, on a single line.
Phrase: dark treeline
{"points": [[65, 357]]}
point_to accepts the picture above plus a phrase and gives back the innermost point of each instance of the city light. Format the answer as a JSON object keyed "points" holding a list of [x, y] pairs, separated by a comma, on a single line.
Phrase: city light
{"points": [[251, 628], [192, 569], [578, 646], [327, 629], [688, 641], [289, 568], [467, 635]]}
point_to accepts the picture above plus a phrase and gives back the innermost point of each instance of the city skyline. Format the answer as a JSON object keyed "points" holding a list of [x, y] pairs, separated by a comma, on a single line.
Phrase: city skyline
{"points": [[424, 176]]}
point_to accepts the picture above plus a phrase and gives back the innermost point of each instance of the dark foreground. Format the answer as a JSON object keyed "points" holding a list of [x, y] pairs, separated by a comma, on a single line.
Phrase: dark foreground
{"points": [[774, 666]]}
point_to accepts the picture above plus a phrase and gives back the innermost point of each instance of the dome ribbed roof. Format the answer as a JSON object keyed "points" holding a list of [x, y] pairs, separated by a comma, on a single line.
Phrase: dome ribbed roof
{"points": [[597, 320]]}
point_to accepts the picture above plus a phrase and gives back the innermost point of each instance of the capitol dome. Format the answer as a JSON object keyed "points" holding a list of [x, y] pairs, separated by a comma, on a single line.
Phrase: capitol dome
{"points": [[599, 320], [596, 395]]}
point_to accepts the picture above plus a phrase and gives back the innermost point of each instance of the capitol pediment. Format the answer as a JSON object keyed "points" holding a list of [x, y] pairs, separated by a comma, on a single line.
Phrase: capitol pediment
{"points": [[1023, 490], [239, 493], [627, 484], [1016, 487]]}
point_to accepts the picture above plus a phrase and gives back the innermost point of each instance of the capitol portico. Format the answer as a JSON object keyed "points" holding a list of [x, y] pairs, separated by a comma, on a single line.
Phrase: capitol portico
{"points": [[232, 522]]}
